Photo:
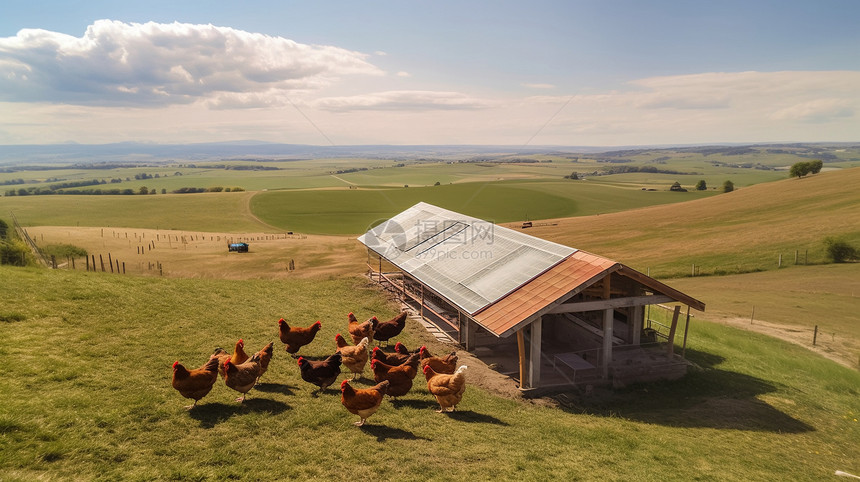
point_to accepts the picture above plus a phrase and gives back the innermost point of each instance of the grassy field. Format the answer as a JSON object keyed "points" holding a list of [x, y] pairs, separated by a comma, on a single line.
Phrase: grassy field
{"points": [[89, 397], [354, 211], [746, 230]]}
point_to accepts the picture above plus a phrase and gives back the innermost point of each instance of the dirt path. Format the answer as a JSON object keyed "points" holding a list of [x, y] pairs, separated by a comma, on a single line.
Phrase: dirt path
{"points": [[840, 350]]}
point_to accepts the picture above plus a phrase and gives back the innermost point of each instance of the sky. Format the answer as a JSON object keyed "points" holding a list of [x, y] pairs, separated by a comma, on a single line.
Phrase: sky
{"points": [[537, 73]]}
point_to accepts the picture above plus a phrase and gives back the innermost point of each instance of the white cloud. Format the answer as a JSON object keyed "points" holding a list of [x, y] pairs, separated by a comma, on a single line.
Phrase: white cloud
{"points": [[403, 74], [406, 100], [117, 63], [539, 86]]}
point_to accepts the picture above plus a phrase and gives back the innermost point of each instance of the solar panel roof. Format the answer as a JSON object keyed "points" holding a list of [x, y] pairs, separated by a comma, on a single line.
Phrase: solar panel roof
{"points": [[471, 262]]}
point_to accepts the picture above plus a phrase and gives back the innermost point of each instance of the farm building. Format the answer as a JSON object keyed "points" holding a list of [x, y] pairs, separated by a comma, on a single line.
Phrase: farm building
{"points": [[546, 314]]}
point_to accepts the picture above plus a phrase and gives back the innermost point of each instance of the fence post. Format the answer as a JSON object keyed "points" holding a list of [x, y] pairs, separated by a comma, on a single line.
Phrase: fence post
{"points": [[815, 335]]}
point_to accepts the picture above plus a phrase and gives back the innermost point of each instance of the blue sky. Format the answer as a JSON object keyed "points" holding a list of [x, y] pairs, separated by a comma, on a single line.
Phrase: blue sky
{"points": [[397, 72]]}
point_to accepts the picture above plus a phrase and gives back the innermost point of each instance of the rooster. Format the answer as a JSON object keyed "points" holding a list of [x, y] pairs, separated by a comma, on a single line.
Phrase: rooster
{"points": [[238, 357], [321, 373], [400, 377], [242, 378], [387, 330], [362, 402], [265, 357], [197, 383], [448, 389], [360, 330], [296, 337], [353, 357], [446, 364], [397, 358]]}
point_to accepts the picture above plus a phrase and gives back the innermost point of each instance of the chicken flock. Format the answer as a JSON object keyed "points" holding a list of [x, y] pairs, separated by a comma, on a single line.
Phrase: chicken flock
{"points": [[393, 372]]}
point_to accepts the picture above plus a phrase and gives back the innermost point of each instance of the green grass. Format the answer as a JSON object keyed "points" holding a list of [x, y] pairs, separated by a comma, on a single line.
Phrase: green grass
{"points": [[353, 211], [213, 212], [88, 391]]}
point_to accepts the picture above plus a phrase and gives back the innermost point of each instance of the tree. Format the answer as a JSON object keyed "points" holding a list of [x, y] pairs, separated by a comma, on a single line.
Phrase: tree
{"points": [[815, 166], [840, 251], [701, 185], [143, 190], [728, 186], [799, 169]]}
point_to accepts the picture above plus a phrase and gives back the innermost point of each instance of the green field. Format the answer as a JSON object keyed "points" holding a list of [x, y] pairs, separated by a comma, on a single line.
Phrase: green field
{"points": [[354, 211], [89, 397]]}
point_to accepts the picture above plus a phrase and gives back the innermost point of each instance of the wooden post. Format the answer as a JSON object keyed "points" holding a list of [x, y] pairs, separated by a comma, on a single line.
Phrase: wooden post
{"points": [[88, 262], [123, 267], [686, 329], [815, 335], [673, 328], [54, 261], [638, 323], [608, 322], [110, 263], [534, 353], [73, 263], [521, 350], [752, 315], [102, 260]]}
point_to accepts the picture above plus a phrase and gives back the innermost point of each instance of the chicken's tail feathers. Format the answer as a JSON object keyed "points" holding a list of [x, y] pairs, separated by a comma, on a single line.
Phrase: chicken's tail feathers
{"points": [[460, 370]]}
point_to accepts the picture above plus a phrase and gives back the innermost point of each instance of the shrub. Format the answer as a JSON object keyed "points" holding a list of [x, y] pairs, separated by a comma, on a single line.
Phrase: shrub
{"points": [[15, 252], [64, 251], [840, 251], [728, 186], [701, 185]]}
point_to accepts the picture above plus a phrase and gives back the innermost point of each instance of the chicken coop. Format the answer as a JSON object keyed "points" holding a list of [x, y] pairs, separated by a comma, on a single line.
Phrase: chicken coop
{"points": [[548, 315]]}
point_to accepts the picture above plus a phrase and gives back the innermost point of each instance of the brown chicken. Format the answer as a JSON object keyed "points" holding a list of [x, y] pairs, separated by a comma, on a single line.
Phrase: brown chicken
{"points": [[242, 378], [448, 389], [238, 357], [362, 402], [393, 359], [296, 337], [446, 364], [353, 357], [265, 357], [197, 383], [400, 377], [387, 330], [360, 330], [321, 373]]}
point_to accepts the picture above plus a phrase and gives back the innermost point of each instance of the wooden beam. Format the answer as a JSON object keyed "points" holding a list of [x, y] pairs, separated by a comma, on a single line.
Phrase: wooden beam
{"points": [[673, 328], [686, 329], [521, 349], [613, 303], [637, 323], [608, 321], [587, 327], [534, 353]]}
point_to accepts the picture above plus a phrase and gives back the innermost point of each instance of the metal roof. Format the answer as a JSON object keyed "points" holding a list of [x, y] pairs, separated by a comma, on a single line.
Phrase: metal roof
{"points": [[471, 262], [502, 278], [578, 271]]}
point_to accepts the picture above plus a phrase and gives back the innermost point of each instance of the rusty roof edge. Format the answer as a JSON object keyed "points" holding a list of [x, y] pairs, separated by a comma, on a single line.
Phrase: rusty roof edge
{"points": [[560, 300], [662, 287]]}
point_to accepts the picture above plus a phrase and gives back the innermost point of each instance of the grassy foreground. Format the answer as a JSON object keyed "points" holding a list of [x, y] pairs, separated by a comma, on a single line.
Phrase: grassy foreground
{"points": [[88, 396]]}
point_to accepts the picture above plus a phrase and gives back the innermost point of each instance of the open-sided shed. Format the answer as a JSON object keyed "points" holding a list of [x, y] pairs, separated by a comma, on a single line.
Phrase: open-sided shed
{"points": [[576, 317]]}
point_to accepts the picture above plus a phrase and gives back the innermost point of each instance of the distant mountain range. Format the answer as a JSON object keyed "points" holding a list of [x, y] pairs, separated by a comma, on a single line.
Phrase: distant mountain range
{"points": [[133, 152]]}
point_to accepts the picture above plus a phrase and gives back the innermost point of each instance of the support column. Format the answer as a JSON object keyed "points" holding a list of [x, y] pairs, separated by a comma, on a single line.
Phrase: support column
{"points": [[672, 329], [608, 321], [521, 351], [637, 323], [534, 353]]}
